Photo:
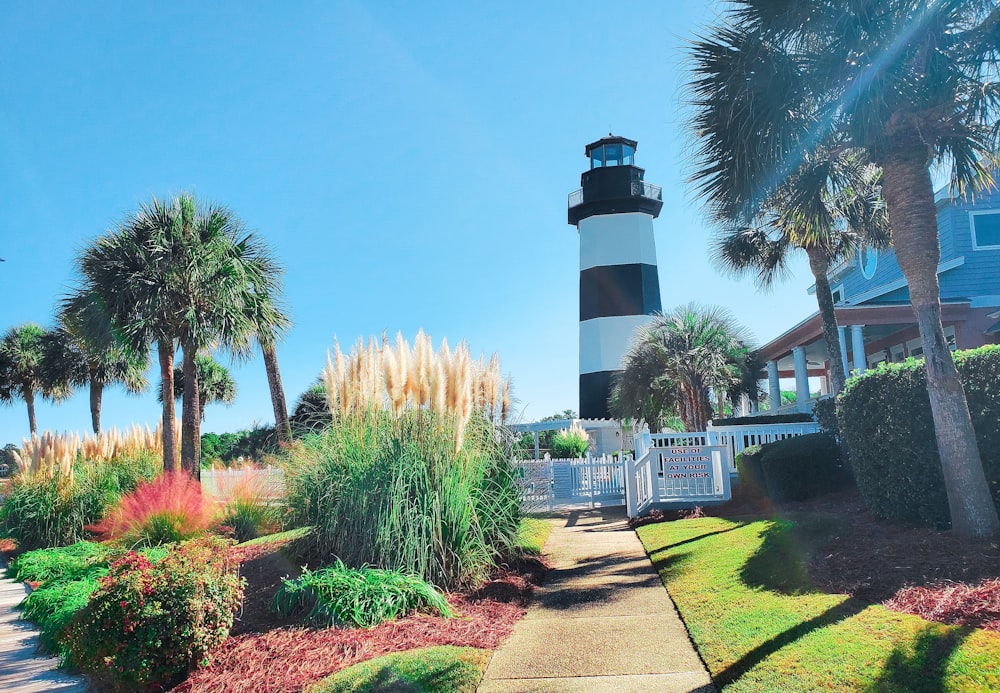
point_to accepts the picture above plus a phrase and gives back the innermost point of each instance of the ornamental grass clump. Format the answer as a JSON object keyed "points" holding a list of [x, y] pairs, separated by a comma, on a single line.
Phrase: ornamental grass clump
{"points": [[364, 597], [250, 508], [414, 474], [570, 443], [170, 508], [47, 506], [152, 621]]}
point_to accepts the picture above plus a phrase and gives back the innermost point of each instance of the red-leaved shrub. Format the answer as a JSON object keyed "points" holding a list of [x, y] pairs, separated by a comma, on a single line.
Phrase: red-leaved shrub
{"points": [[167, 509], [152, 621]]}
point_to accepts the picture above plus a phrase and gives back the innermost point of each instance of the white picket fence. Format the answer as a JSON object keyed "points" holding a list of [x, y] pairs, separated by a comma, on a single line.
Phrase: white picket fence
{"points": [[217, 482], [668, 469], [567, 483], [736, 438]]}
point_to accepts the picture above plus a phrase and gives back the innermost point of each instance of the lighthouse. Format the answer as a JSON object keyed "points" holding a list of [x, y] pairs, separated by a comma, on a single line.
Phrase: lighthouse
{"points": [[619, 287]]}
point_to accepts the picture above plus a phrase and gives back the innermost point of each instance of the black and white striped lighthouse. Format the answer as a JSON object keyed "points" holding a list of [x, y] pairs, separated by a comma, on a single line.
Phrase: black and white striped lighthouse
{"points": [[619, 286]]}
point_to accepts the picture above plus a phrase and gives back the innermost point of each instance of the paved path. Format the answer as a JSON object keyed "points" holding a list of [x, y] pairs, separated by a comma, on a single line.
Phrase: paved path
{"points": [[21, 669], [601, 622]]}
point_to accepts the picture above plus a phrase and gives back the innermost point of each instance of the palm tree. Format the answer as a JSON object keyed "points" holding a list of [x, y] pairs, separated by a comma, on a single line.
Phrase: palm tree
{"points": [[215, 383], [83, 351], [22, 375], [676, 362], [177, 273], [910, 83], [829, 209]]}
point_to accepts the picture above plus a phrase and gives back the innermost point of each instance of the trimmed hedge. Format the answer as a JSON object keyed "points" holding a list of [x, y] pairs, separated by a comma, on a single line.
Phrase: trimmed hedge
{"points": [[795, 468], [800, 417], [885, 421]]}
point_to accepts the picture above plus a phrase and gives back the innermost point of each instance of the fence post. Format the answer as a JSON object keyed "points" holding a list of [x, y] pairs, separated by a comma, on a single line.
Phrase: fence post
{"points": [[631, 487]]}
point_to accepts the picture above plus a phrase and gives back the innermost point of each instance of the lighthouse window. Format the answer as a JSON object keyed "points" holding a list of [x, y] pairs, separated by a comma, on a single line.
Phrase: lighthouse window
{"points": [[612, 155], [629, 155], [597, 157]]}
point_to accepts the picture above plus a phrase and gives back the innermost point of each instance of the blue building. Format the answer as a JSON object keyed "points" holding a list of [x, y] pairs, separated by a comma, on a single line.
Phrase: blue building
{"points": [[873, 309]]}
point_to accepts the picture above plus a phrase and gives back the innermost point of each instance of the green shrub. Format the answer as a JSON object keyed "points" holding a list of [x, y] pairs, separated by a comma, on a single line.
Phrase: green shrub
{"points": [[53, 605], [311, 413], [63, 563], [802, 467], [749, 470], [40, 512], [825, 411], [150, 622], [342, 596], [885, 422], [393, 492], [570, 443]]}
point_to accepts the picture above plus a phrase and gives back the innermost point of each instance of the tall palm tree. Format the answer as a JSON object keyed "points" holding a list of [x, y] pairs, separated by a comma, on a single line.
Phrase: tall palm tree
{"points": [[22, 375], [83, 352], [125, 271], [676, 362], [272, 322], [910, 83], [190, 275], [215, 383], [829, 209]]}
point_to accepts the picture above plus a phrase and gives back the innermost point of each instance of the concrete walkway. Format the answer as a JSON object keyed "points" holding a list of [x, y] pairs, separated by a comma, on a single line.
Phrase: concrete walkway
{"points": [[601, 622], [22, 670]]}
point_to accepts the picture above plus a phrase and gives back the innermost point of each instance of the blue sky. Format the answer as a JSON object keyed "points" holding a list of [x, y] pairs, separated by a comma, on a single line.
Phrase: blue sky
{"points": [[409, 165]]}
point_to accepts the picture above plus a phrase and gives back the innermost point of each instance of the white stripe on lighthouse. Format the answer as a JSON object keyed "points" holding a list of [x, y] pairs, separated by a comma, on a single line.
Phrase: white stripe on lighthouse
{"points": [[617, 239], [603, 341]]}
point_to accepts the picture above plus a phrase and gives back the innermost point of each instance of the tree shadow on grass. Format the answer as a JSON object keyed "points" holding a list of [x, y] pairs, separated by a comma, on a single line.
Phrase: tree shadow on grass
{"points": [[781, 562], [751, 659], [922, 668]]}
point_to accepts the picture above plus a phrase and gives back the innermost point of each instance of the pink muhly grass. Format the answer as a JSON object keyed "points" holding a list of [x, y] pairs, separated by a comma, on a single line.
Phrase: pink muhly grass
{"points": [[171, 507]]}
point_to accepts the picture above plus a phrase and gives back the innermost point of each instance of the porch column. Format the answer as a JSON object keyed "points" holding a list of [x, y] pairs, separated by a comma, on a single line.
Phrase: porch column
{"points": [[801, 378], [858, 347], [773, 386], [842, 332]]}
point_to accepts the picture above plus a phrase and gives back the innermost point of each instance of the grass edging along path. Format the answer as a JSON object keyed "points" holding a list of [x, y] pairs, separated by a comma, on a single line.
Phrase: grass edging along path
{"points": [[442, 669], [744, 593]]}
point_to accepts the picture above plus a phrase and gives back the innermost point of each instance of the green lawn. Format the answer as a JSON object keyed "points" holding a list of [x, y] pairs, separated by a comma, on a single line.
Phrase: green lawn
{"points": [[532, 533], [744, 594], [441, 669]]}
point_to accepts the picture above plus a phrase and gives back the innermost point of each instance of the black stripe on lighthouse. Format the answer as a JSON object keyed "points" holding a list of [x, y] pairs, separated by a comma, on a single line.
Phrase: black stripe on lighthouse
{"points": [[594, 391], [613, 290]]}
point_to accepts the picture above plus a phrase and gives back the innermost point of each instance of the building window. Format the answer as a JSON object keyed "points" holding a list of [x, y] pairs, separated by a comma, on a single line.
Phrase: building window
{"points": [[985, 229], [838, 294]]}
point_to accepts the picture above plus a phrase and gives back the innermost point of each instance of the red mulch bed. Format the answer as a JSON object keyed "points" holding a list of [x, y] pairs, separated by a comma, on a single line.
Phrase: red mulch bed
{"points": [[933, 574], [285, 660], [874, 559], [953, 602], [270, 654]]}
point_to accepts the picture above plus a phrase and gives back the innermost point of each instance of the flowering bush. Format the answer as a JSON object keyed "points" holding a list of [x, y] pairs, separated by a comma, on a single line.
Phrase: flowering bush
{"points": [[169, 508], [151, 621]]}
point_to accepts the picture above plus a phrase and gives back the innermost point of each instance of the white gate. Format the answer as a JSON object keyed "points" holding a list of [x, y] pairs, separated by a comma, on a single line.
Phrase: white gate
{"points": [[571, 483]]}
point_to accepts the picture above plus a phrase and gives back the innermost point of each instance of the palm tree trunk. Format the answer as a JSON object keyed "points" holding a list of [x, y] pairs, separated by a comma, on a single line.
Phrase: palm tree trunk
{"points": [[96, 394], [281, 423], [165, 352], [29, 399], [819, 263], [909, 198], [190, 412]]}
